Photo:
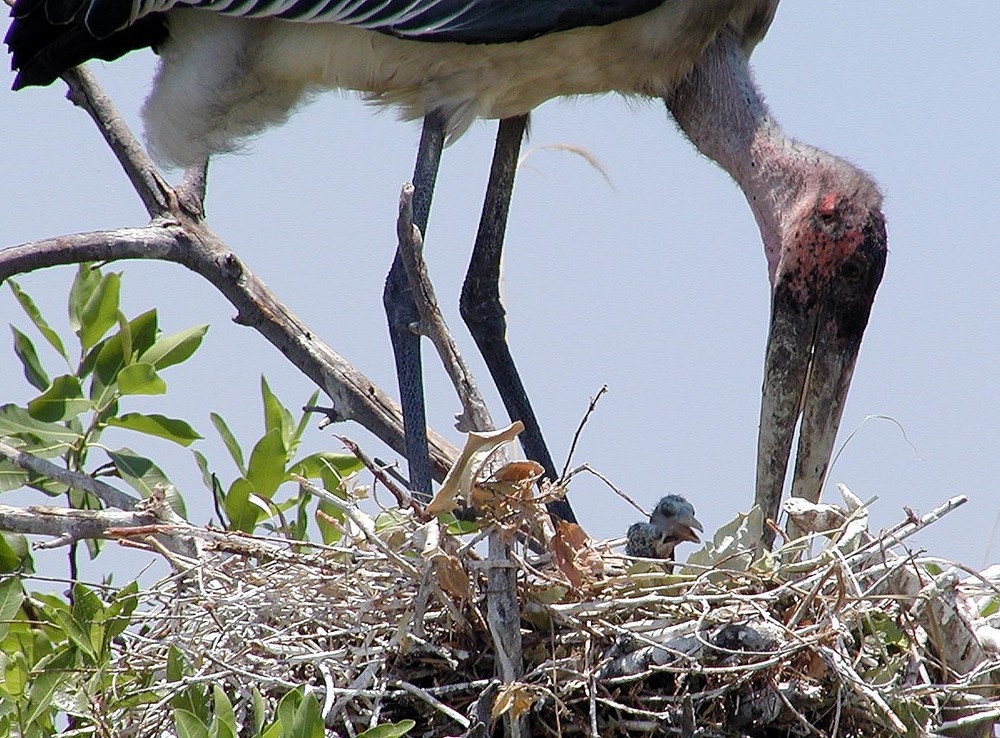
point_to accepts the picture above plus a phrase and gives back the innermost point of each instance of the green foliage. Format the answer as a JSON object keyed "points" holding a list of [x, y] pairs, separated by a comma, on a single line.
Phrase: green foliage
{"points": [[55, 655], [389, 730], [58, 655], [117, 358], [251, 500]]}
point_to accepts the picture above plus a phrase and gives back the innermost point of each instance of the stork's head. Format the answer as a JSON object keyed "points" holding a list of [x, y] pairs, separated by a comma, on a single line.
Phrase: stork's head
{"points": [[674, 517], [825, 269]]}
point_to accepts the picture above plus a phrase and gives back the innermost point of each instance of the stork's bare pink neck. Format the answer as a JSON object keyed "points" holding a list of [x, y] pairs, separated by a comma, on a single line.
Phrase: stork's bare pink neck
{"points": [[720, 109]]}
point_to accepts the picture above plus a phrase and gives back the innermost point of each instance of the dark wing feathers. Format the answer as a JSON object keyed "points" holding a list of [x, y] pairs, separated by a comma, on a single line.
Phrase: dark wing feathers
{"points": [[49, 36], [41, 50]]}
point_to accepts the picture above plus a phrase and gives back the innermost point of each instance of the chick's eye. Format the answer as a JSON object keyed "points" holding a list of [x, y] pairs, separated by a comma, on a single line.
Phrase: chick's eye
{"points": [[853, 270]]}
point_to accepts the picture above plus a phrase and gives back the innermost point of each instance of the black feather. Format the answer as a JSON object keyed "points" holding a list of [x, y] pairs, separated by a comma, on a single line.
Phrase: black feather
{"points": [[47, 37]]}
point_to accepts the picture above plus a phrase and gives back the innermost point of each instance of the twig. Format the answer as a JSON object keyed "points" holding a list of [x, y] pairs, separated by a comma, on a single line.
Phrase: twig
{"points": [[588, 468], [403, 498], [850, 677], [432, 701], [474, 416], [74, 480], [579, 430], [359, 520]]}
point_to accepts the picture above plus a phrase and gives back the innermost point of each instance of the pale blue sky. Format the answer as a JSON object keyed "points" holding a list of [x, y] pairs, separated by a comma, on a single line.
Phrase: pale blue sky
{"points": [[656, 287]]}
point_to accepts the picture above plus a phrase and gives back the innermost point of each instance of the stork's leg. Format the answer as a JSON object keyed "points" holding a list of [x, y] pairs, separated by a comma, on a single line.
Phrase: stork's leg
{"points": [[481, 307], [402, 313]]}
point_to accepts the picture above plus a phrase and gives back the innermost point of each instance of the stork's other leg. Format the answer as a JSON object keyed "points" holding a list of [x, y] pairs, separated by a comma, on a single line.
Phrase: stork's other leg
{"points": [[481, 307], [402, 313]]}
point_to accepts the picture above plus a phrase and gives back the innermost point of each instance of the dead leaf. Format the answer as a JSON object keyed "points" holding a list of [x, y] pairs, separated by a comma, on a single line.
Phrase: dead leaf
{"points": [[573, 554], [507, 490], [519, 471], [462, 476], [451, 576], [448, 570], [516, 697]]}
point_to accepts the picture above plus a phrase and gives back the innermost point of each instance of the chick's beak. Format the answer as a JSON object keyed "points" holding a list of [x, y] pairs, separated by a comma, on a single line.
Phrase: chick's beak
{"points": [[685, 527]]}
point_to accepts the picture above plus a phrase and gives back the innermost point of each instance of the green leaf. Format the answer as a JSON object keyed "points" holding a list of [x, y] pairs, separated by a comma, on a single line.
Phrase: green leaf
{"points": [[15, 421], [188, 725], [29, 307], [223, 707], [175, 664], [86, 604], [25, 351], [119, 612], [259, 711], [77, 635], [143, 475], [266, 470], [232, 445], [242, 513], [313, 466], [207, 477], [63, 399], [389, 730], [11, 597], [307, 721], [84, 285], [140, 379], [15, 556], [110, 355], [306, 416], [11, 477], [990, 608], [160, 426], [46, 684], [97, 311], [173, 349], [458, 527], [276, 416]]}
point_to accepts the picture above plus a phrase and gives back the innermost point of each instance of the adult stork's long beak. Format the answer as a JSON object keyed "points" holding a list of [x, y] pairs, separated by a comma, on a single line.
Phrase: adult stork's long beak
{"points": [[821, 301]]}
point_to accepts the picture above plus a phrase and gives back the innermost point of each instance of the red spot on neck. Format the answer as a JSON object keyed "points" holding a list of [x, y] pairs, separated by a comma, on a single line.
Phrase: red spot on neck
{"points": [[828, 205]]}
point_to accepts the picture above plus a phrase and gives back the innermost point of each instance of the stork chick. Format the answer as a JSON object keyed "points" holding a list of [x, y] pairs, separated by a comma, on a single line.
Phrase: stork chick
{"points": [[671, 522]]}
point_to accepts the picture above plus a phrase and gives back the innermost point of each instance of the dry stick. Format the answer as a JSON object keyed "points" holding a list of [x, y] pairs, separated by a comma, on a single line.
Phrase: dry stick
{"points": [[68, 525], [474, 416], [360, 520], [74, 480], [579, 430], [588, 468], [503, 610], [403, 498]]}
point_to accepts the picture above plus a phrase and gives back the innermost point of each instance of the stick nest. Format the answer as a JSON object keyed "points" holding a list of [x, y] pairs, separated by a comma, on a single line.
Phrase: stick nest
{"points": [[862, 638]]}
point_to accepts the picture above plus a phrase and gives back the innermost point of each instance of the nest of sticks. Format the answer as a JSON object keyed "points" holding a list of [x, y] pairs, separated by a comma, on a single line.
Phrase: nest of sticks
{"points": [[841, 632]]}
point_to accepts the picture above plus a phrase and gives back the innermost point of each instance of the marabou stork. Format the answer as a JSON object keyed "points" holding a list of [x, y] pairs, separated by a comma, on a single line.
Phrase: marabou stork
{"points": [[671, 522], [230, 68]]}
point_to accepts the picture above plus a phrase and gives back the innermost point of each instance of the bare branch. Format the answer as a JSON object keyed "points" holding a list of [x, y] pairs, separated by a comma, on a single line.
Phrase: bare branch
{"points": [[74, 480], [154, 191], [192, 244], [475, 416], [68, 525]]}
